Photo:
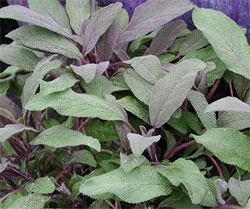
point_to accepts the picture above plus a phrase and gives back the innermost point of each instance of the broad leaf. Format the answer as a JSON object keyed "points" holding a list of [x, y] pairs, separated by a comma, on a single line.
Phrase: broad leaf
{"points": [[18, 56], [96, 26], [230, 146], [230, 104], [187, 173], [165, 37], [241, 85], [33, 17], [83, 156], [78, 10], [226, 38], [32, 83], [161, 12], [38, 38], [60, 136], [148, 67], [139, 143], [170, 91], [42, 185], [199, 102], [129, 163], [141, 184], [240, 190]]}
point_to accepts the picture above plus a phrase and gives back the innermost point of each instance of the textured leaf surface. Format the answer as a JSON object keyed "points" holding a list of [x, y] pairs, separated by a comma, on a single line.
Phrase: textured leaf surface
{"points": [[139, 143], [241, 85], [170, 91], [129, 163], [70, 103], [148, 67], [230, 104], [161, 12], [83, 156], [186, 172], [99, 22], [32, 83], [199, 102], [165, 37], [39, 38], [221, 188], [33, 17], [240, 190], [230, 146], [139, 185], [42, 185], [18, 56], [78, 10], [60, 136], [226, 38]]}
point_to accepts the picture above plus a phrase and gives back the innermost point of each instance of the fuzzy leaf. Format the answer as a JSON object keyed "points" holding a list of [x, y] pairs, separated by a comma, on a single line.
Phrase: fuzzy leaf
{"points": [[38, 38], [42, 185], [139, 143], [230, 146], [170, 91], [83, 156], [241, 85], [18, 56], [129, 163], [69, 103], [199, 102], [161, 12], [226, 38], [148, 67], [240, 190], [99, 22], [165, 37], [33, 17], [187, 173], [60, 136], [141, 184], [221, 188]]}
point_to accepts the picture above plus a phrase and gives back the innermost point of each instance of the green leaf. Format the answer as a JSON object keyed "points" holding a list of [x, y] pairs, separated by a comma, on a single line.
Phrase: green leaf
{"points": [[241, 85], [192, 121], [226, 38], [32, 201], [141, 184], [62, 83], [104, 205], [33, 17], [60, 136], [83, 156], [230, 146], [240, 190], [54, 9], [170, 91], [32, 83], [42, 185], [187, 173], [38, 38], [141, 88], [148, 67], [96, 28], [69, 103], [134, 106], [18, 56], [129, 163], [139, 143], [78, 10]]}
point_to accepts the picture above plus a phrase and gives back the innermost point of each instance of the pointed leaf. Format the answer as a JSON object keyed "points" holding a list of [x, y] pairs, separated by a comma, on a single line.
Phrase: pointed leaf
{"points": [[129, 163], [70, 103], [41, 186], [226, 38], [139, 143], [165, 37], [230, 146], [141, 184], [241, 85], [83, 156], [96, 26], [38, 38], [161, 12], [170, 91], [60, 136]]}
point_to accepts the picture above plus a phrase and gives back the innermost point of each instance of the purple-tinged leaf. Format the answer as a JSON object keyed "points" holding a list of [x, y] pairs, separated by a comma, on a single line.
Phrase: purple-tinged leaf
{"points": [[221, 188], [151, 15], [123, 131], [167, 66], [165, 37], [33, 17], [241, 85], [99, 22], [121, 54], [129, 163], [170, 91]]}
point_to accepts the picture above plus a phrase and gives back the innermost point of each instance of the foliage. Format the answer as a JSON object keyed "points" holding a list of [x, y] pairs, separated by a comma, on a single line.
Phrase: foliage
{"points": [[123, 113]]}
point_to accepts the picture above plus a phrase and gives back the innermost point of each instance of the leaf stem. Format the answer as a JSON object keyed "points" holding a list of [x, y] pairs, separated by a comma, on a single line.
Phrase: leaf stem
{"points": [[118, 64], [146, 52], [231, 89], [211, 93], [130, 127], [84, 123], [10, 119], [99, 204], [215, 163], [110, 204]]}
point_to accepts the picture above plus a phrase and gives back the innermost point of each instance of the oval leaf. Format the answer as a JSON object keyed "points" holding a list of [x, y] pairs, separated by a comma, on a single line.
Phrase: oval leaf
{"points": [[41, 186]]}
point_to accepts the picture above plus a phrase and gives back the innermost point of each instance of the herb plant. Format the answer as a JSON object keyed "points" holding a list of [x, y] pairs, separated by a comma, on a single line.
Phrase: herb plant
{"points": [[124, 114]]}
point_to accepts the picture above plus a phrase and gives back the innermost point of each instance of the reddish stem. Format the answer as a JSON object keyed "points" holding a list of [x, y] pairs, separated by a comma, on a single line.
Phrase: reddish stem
{"points": [[99, 204], [118, 64], [84, 61], [110, 204], [131, 127], [84, 123], [10, 119], [231, 89], [215, 163], [211, 93], [158, 163], [146, 52]]}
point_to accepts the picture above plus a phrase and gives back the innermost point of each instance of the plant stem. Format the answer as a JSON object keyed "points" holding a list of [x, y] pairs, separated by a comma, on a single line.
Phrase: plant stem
{"points": [[158, 163], [110, 204], [118, 64], [131, 127], [231, 89], [211, 93], [227, 206], [10, 119], [84, 61], [215, 163], [99, 204], [146, 52], [13, 192], [84, 123]]}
